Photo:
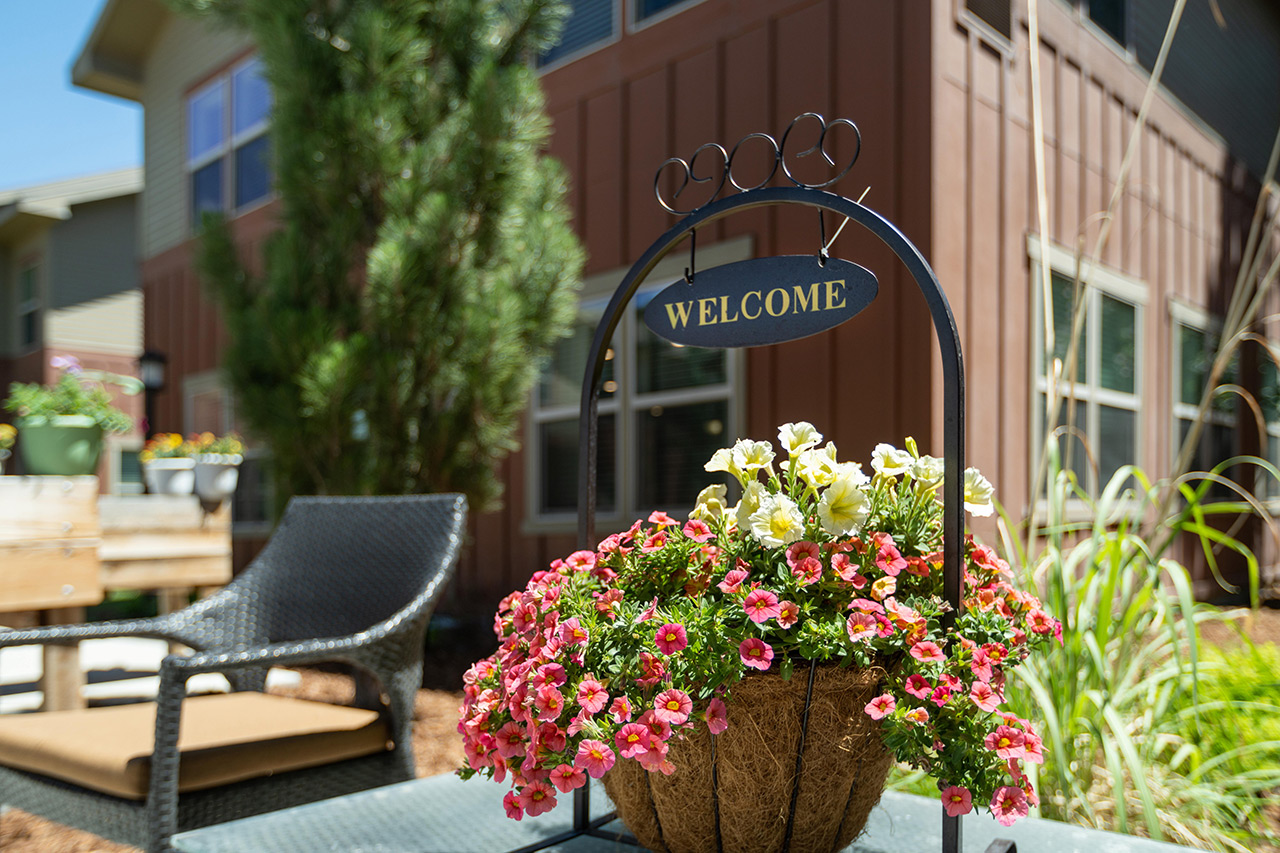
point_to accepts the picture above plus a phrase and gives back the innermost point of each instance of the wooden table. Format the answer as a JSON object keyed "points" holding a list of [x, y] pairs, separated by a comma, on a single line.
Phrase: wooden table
{"points": [[62, 546]]}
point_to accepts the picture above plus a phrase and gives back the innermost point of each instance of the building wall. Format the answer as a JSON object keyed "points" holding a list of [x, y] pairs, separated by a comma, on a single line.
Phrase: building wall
{"points": [[93, 254], [713, 73], [187, 52], [1180, 224]]}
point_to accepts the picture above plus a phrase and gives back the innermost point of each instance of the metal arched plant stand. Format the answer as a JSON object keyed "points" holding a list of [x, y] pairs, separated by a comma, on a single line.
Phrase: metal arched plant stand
{"points": [[802, 195]]}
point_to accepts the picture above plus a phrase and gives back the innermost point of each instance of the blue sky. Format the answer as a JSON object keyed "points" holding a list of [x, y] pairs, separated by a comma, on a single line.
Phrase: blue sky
{"points": [[50, 129]]}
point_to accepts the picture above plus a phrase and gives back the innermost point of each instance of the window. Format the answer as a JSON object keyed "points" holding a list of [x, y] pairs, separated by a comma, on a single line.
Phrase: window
{"points": [[228, 149], [1110, 16], [1103, 401], [1195, 345], [1269, 400], [29, 306], [648, 8], [994, 13], [591, 24], [664, 410], [124, 470]]}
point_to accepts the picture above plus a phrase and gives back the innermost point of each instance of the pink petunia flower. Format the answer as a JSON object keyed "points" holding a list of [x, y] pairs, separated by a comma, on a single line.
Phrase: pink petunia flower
{"points": [[761, 605], [620, 710], [512, 805], [1008, 804], [549, 673], [697, 530], [860, 627], [847, 570], [717, 716], [592, 696], [672, 706], [671, 638], [884, 587], [919, 716], [808, 570], [918, 687], [983, 696], [650, 611], [890, 560], [566, 777], [548, 702], [957, 801], [572, 633], [1033, 748], [866, 605], [660, 729], [581, 561], [510, 740], [661, 519], [732, 581], [653, 668], [537, 798], [594, 757], [1006, 742], [798, 551], [927, 652], [551, 736], [655, 542], [981, 665], [755, 653], [881, 707], [788, 613], [632, 740]]}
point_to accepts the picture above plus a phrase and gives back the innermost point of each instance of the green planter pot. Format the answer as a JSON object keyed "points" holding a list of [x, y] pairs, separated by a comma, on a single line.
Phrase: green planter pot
{"points": [[63, 445]]}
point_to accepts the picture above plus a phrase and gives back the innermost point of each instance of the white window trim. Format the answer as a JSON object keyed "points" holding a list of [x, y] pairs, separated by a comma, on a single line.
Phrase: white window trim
{"points": [[1197, 319], [231, 142], [599, 288], [635, 23], [115, 445], [1096, 279], [588, 49], [987, 33]]}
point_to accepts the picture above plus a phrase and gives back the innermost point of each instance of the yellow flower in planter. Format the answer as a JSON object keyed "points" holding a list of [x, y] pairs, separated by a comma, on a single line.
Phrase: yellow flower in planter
{"points": [[7, 434]]}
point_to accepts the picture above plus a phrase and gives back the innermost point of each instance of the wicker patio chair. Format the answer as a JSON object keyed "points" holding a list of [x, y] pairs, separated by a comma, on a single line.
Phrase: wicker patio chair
{"points": [[343, 579]]}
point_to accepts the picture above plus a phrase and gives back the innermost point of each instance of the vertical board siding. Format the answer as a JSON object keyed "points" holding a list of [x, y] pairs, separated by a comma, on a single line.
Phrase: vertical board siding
{"points": [[714, 73], [1183, 215]]}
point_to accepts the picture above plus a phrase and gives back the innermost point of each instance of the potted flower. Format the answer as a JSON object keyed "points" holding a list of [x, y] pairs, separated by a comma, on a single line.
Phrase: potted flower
{"points": [[61, 425], [748, 675], [7, 434], [167, 465], [217, 467]]}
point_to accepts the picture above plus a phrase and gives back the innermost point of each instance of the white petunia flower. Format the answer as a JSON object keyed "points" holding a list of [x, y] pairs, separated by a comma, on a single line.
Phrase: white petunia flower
{"points": [[889, 461], [818, 467], [711, 503], [844, 507], [978, 493], [853, 471], [798, 437], [752, 456], [750, 502], [777, 522], [722, 460], [928, 471]]}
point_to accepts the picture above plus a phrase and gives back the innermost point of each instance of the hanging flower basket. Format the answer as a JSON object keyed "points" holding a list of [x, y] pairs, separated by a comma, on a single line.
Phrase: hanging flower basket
{"points": [[742, 789], [674, 659], [216, 476], [170, 476]]}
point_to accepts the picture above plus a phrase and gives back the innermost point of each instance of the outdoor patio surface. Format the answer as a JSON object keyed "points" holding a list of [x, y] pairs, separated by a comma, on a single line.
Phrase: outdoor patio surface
{"points": [[442, 814]]}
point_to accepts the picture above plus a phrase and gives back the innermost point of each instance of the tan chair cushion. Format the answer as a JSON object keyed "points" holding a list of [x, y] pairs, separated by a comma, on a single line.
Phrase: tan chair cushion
{"points": [[223, 738]]}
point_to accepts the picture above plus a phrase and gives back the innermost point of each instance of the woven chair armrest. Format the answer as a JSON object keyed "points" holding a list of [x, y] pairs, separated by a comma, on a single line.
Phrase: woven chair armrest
{"points": [[157, 627], [354, 649]]}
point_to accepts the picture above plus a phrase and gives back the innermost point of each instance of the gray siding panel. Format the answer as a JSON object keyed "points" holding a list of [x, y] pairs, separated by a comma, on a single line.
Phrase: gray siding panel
{"points": [[93, 255]]}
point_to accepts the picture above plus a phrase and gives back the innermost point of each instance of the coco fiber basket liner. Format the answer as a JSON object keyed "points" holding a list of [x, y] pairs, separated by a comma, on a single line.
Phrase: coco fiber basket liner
{"points": [[741, 785]]}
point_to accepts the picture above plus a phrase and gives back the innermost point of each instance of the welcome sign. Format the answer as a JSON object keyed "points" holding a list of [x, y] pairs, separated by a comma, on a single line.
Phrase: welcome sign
{"points": [[761, 301]]}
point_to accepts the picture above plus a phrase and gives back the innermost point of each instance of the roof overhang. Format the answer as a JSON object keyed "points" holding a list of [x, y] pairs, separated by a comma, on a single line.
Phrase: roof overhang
{"points": [[114, 56], [18, 221]]}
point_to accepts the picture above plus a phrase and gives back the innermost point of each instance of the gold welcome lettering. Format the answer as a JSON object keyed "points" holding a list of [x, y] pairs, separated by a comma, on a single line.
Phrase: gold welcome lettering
{"points": [[678, 308]]}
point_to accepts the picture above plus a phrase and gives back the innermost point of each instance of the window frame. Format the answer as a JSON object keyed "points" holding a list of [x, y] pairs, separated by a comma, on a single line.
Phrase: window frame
{"points": [[29, 307], [628, 401], [635, 23], [1183, 314], [1098, 281], [984, 29], [116, 446], [229, 144], [615, 35]]}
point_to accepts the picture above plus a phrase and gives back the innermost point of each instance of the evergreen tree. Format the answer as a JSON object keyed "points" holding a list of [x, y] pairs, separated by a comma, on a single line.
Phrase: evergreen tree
{"points": [[425, 263]]}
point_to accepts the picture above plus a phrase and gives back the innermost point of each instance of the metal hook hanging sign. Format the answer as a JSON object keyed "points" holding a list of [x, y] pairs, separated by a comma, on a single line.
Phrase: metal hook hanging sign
{"points": [[761, 301]]}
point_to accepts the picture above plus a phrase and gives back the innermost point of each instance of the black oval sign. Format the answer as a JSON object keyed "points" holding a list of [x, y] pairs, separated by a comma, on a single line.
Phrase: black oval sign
{"points": [[761, 301]]}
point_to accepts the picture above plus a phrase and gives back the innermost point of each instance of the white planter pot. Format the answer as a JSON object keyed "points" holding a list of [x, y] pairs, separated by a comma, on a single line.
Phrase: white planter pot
{"points": [[216, 477], [4, 454], [174, 476]]}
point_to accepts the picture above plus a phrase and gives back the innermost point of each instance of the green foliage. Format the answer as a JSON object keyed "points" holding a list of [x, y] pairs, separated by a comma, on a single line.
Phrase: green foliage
{"points": [[72, 394], [424, 263], [1119, 699]]}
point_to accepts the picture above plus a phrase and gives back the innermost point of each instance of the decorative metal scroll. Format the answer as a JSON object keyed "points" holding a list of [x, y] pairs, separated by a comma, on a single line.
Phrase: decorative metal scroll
{"points": [[719, 156]]}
